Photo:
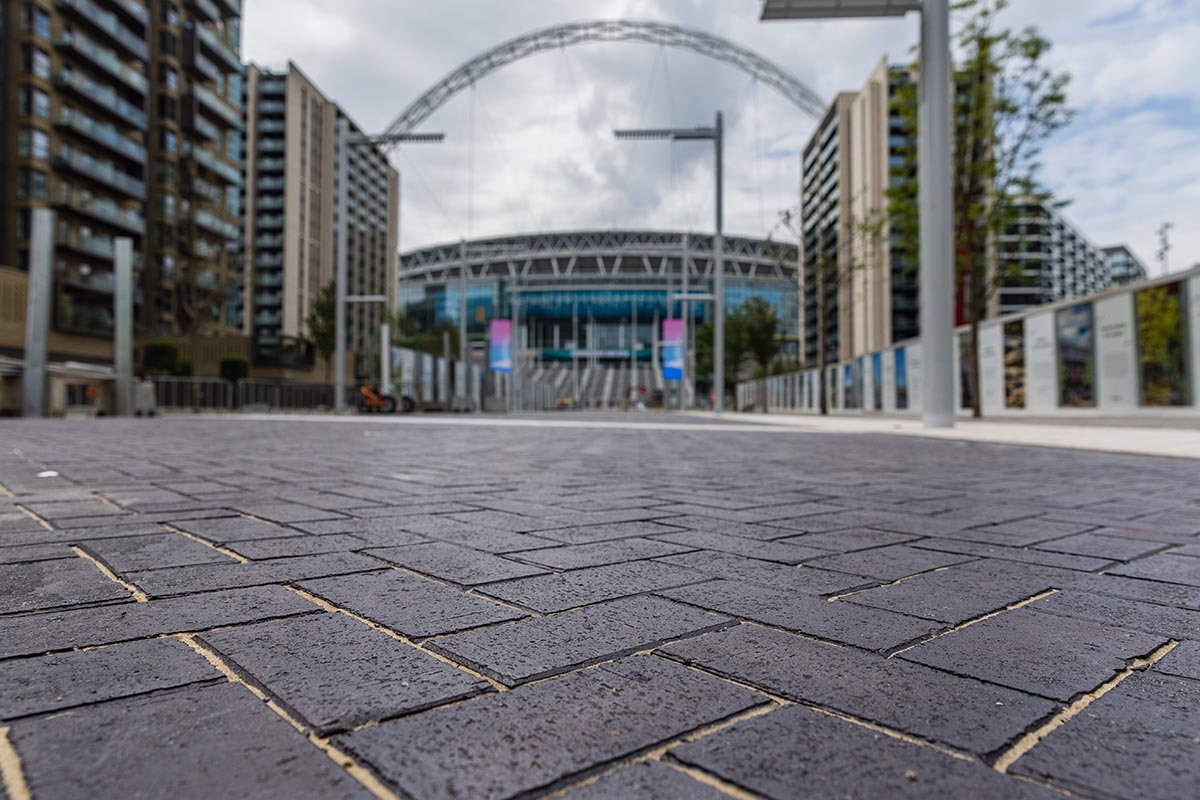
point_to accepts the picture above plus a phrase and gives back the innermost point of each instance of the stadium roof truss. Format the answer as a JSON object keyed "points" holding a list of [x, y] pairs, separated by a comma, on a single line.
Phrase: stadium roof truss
{"points": [[604, 256]]}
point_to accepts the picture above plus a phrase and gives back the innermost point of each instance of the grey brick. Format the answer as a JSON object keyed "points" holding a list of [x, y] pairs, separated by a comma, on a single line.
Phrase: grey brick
{"points": [[1113, 548], [599, 554], [50, 632], [961, 712], [404, 530], [132, 553], [74, 509], [1184, 660], [839, 621], [796, 752], [69, 537], [1021, 555], [223, 530], [292, 546], [1163, 567], [504, 521], [1176, 623], [764, 551], [580, 587], [962, 592], [808, 580], [847, 541], [285, 512], [579, 723], [1138, 741], [584, 534], [1056, 657], [1168, 594], [56, 682], [646, 780], [745, 530], [33, 552], [535, 648], [206, 741], [1018, 534], [335, 673], [210, 577], [43, 585], [414, 606], [454, 563], [888, 563]]}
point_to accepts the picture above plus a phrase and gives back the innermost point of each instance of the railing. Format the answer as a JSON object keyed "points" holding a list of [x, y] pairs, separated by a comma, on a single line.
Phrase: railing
{"points": [[99, 208], [218, 46], [103, 134], [197, 394], [107, 22], [207, 159], [103, 171], [282, 396], [105, 59], [216, 105], [105, 96]]}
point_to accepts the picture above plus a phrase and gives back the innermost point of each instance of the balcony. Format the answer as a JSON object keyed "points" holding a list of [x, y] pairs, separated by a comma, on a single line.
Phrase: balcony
{"points": [[106, 22], [206, 190], [273, 221], [200, 125], [268, 203], [273, 87], [272, 126], [104, 96], [268, 242], [268, 319], [101, 209], [269, 262], [97, 246], [135, 9], [234, 6], [105, 135], [205, 250], [270, 164], [214, 224], [272, 107], [272, 146], [209, 160], [270, 184], [207, 8], [272, 299], [220, 49], [105, 59], [193, 59], [217, 106], [100, 171]]}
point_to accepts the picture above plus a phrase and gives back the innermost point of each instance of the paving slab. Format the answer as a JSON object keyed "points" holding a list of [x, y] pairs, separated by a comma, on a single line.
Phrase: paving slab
{"points": [[86, 627], [579, 722], [599, 554], [1184, 661], [784, 553], [1044, 654], [44, 585], [292, 546], [206, 741], [796, 752], [455, 563], [222, 530], [646, 780], [870, 628], [808, 580], [889, 563], [172, 581], [127, 554], [335, 673], [409, 604], [548, 593], [536, 648], [1164, 567], [65, 680], [34, 552], [1176, 623], [960, 712], [1112, 548], [849, 540]]}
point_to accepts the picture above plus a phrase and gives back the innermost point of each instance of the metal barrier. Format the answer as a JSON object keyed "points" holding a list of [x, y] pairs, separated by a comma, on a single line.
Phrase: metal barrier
{"points": [[197, 394], [252, 394]]}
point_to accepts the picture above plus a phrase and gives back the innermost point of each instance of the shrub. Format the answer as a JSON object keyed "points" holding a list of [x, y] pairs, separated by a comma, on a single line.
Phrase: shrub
{"points": [[160, 358], [235, 368]]}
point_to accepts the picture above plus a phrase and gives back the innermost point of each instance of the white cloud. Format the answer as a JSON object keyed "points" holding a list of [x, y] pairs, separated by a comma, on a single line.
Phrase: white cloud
{"points": [[544, 157]]}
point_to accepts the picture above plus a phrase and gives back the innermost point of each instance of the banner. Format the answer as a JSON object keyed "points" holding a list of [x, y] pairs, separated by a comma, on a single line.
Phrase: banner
{"points": [[500, 350], [672, 351]]}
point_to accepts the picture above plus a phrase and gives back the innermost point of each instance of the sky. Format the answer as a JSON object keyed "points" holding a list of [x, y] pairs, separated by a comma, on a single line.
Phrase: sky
{"points": [[530, 148]]}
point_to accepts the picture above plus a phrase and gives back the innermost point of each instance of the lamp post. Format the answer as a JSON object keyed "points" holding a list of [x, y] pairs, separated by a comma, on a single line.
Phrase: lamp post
{"points": [[346, 140], [935, 148], [715, 134]]}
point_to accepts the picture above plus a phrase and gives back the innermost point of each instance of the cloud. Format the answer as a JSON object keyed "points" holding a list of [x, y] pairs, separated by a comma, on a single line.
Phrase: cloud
{"points": [[543, 157]]}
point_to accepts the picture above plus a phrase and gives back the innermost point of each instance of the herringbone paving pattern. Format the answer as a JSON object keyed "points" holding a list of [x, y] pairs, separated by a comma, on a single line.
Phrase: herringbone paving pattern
{"points": [[232, 608]]}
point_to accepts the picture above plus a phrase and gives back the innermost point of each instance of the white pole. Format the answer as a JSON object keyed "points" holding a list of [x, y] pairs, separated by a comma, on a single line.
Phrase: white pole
{"points": [[385, 358], [719, 281], [37, 313], [462, 318], [123, 324], [341, 266], [935, 148], [685, 385]]}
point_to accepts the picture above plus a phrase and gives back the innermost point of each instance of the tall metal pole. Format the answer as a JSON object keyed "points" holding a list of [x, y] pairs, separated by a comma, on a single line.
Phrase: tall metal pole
{"points": [[574, 354], [123, 324], [462, 317], [341, 267], [934, 153], [719, 279], [685, 393], [37, 313], [385, 358], [514, 382]]}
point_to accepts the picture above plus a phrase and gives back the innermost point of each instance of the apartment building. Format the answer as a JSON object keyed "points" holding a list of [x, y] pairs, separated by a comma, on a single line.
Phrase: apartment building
{"points": [[1123, 266], [291, 213]]}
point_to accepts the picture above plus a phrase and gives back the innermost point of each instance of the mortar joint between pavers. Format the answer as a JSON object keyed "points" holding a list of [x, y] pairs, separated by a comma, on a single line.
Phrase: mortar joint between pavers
{"points": [[974, 620], [238, 557], [36, 517], [137, 594], [1027, 741], [12, 774], [367, 779]]}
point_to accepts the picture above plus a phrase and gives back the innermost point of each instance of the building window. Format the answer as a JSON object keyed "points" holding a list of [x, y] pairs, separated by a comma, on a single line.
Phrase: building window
{"points": [[24, 223], [170, 13], [169, 77], [233, 146], [35, 61], [166, 107], [33, 143], [36, 21], [167, 44], [31, 183], [165, 173], [35, 103], [168, 141]]}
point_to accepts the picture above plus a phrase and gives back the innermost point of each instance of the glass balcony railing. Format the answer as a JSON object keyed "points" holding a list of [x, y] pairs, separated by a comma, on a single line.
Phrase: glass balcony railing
{"points": [[102, 134], [203, 249], [99, 208], [268, 299], [104, 58], [269, 262], [273, 221], [217, 106], [101, 171], [274, 88], [220, 48], [272, 126], [206, 190], [204, 66], [103, 96], [214, 224], [234, 6], [272, 107], [268, 242], [94, 245], [268, 318], [270, 165], [208, 160], [270, 184], [107, 21], [135, 9], [205, 128], [272, 146], [268, 203], [208, 8]]}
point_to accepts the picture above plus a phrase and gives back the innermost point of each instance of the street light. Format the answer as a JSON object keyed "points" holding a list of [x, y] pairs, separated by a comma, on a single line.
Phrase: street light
{"points": [[346, 140], [714, 134], [935, 201]]}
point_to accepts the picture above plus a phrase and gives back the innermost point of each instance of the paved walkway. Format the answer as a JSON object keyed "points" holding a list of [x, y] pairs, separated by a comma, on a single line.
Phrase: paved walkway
{"points": [[198, 608]]}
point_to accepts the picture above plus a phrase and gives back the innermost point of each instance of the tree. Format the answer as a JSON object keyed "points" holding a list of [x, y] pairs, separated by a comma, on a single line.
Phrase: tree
{"points": [[1007, 103], [760, 333], [321, 323], [736, 349]]}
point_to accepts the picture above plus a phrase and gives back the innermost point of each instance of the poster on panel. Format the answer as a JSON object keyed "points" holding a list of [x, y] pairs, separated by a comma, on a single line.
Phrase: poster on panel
{"points": [[672, 350], [500, 347], [1075, 332], [877, 381], [966, 395], [1014, 364], [1162, 345], [901, 379]]}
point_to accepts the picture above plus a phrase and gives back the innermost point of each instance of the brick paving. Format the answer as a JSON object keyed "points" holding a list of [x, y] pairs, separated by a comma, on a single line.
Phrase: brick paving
{"points": [[328, 608]]}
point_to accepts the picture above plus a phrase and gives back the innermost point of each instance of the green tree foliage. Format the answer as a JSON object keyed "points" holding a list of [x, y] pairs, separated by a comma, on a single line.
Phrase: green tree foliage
{"points": [[160, 357], [1161, 345], [1007, 103], [407, 332], [321, 323], [235, 368], [752, 341]]}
